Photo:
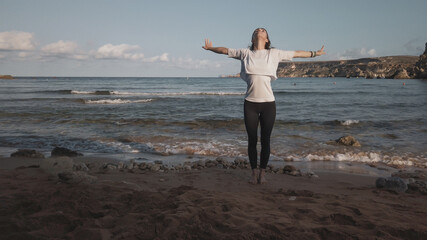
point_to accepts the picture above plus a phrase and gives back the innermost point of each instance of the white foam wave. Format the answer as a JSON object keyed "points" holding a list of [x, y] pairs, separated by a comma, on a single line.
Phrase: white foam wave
{"points": [[362, 157], [154, 93], [349, 122], [81, 92], [116, 101]]}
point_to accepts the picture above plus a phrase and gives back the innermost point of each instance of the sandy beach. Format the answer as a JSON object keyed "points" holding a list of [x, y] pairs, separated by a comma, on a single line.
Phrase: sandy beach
{"points": [[210, 203]]}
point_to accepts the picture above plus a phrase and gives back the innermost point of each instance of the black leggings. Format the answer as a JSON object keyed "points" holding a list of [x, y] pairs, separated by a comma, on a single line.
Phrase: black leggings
{"points": [[264, 113]]}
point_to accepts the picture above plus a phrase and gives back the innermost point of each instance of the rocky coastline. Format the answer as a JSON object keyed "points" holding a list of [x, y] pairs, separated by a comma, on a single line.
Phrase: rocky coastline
{"points": [[391, 67], [6, 77]]}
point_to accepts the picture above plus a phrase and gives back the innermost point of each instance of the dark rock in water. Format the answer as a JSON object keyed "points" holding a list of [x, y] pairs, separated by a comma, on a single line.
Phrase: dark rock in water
{"points": [[59, 151], [392, 183], [348, 141], [27, 153]]}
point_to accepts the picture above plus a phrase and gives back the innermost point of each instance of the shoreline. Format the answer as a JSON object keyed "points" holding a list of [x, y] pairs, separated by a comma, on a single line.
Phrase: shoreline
{"points": [[210, 203]]}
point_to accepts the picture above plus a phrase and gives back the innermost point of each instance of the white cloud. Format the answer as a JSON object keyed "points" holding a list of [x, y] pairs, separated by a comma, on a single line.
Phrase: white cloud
{"points": [[64, 49], [189, 63], [122, 51], [355, 53], [162, 58], [61, 47], [15, 40]]}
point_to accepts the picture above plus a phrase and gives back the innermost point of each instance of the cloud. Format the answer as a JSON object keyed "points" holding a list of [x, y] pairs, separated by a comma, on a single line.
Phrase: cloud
{"points": [[162, 58], [64, 49], [355, 53], [122, 51], [189, 63], [61, 47], [16, 41]]}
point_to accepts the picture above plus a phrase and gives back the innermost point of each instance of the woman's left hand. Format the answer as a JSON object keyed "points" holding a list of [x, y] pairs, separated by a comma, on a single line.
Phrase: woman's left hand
{"points": [[320, 52]]}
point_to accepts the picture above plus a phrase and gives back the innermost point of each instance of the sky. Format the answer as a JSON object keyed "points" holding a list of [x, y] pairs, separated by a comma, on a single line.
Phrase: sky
{"points": [[164, 38]]}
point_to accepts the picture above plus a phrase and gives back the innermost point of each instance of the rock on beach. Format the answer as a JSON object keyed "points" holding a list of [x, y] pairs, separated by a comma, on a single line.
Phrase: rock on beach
{"points": [[28, 153]]}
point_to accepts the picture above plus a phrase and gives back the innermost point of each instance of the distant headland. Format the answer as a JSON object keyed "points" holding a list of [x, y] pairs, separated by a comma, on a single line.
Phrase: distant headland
{"points": [[6, 77], [391, 67]]}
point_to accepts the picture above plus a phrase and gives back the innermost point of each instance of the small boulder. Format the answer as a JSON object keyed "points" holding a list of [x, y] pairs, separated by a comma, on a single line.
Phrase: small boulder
{"points": [[348, 141], [80, 167], [54, 166], [392, 183], [27, 153], [417, 186], [291, 170], [76, 177], [60, 151]]}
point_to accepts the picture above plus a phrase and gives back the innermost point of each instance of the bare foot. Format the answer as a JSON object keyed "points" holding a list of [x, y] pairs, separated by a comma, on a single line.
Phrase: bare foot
{"points": [[254, 178], [261, 179]]}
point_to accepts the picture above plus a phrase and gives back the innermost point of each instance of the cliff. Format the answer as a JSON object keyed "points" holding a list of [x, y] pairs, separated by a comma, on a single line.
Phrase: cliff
{"points": [[397, 67], [401, 67], [421, 65]]}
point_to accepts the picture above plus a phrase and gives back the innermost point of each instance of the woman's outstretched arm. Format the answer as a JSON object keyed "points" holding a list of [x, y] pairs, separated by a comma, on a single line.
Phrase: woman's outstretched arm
{"points": [[220, 50], [309, 54]]}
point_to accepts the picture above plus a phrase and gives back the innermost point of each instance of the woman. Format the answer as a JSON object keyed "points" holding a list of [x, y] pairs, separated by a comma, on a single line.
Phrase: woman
{"points": [[258, 68]]}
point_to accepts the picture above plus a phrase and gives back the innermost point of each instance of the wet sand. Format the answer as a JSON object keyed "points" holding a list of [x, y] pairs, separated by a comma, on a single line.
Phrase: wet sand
{"points": [[210, 203]]}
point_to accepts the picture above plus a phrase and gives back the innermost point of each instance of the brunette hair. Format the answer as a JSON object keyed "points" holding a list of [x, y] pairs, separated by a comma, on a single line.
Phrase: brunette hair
{"points": [[267, 44]]}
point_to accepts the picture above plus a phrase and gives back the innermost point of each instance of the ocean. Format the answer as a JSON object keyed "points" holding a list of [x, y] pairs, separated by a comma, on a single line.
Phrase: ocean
{"points": [[203, 118]]}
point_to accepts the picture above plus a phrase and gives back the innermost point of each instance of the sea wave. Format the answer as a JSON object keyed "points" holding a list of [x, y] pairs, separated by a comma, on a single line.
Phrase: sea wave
{"points": [[150, 93], [349, 122], [116, 101]]}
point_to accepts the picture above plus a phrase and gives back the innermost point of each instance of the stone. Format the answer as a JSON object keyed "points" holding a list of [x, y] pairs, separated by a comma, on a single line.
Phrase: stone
{"points": [[142, 166], [155, 167], [158, 162], [54, 166], [60, 151], [311, 174], [348, 141], [210, 164], [295, 173], [76, 177], [80, 167], [121, 165], [392, 183], [417, 186], [27, 153], [289, 168], [110, 166]]}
